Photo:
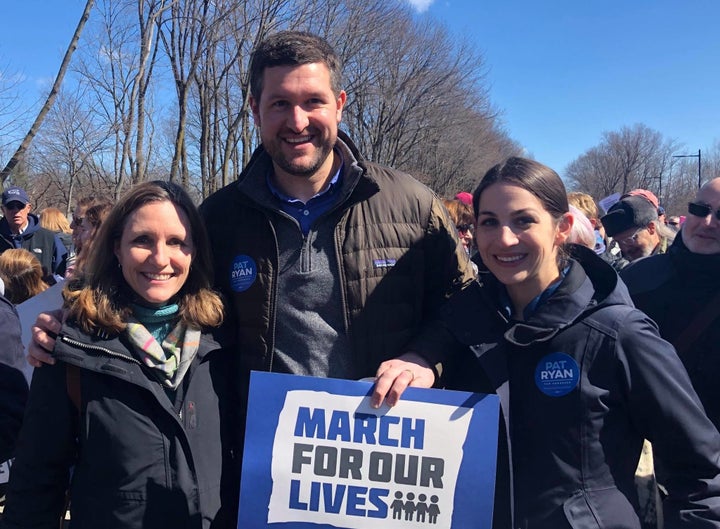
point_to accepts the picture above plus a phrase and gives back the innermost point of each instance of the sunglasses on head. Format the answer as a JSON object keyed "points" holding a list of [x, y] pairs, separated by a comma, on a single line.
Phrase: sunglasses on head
{"points": [[702, 210]]}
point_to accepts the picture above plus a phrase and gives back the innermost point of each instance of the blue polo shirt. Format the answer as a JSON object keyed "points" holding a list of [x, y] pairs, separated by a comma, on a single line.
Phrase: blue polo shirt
{"points": [[307, 213]]}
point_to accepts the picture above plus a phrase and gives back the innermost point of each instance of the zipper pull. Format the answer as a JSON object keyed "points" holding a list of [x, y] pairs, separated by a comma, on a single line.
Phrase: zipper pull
{"points": [[191, 417]]}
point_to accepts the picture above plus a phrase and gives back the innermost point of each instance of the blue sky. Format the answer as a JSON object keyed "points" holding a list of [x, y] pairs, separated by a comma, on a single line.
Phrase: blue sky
{"points": [[562, 72]]}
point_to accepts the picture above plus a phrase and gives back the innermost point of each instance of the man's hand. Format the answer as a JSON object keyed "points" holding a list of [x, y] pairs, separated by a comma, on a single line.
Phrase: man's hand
{"points": [[46, 327], [393, 376]]}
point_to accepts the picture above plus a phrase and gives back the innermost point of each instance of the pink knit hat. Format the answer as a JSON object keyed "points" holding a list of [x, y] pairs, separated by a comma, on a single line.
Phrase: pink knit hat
{"points": [[464, 197]]}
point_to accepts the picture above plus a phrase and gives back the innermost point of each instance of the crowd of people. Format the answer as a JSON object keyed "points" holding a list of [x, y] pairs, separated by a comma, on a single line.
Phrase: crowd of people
{"points": [[320, 262]]}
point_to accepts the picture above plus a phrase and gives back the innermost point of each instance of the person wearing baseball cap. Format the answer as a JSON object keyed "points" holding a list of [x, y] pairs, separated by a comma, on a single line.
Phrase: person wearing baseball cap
{"points": [[21, 229], [633, 223]]}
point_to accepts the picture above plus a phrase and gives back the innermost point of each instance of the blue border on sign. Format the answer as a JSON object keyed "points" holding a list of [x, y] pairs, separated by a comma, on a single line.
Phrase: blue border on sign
{"points": [[474, 494]]}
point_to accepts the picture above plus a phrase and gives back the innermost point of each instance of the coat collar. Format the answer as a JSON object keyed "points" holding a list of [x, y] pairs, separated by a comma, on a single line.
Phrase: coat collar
{"points": [[357, 184], [589, 283]]}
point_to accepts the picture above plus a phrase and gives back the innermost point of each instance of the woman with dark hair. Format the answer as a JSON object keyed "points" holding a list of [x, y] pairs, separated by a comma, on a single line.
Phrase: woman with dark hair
{"points": [[92, 219], [133, 401], [583, 377]]}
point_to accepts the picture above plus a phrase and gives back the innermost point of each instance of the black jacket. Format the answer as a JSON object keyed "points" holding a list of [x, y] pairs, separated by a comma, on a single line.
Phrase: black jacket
{"points": [[673, 288], [582, 382], [13, 386], [140, 460]]}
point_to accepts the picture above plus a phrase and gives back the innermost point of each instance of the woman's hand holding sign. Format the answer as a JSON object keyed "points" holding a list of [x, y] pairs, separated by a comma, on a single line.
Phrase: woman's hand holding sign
{"points": [[393, 376]]}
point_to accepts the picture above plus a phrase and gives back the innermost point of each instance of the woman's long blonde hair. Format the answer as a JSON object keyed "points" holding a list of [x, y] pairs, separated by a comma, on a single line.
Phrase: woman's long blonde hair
{"points": [[54, 220]]}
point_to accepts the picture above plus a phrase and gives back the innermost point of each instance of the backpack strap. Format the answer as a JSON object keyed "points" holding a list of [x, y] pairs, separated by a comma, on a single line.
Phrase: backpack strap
{"points": [[72, 381], [702, 321]]}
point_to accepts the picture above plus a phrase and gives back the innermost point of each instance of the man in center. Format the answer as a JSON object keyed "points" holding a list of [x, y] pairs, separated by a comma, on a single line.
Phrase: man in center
{"points": [[330, 264]]}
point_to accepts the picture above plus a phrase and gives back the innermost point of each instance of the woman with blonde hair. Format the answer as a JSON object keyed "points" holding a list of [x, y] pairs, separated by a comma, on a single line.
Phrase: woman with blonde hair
{"points": [[22, 274], [141, 400], [54, 220]]}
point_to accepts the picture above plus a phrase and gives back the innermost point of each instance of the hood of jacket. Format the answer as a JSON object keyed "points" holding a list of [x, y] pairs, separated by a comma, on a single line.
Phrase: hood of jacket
{"points": [[590, 284], [33, 226]]}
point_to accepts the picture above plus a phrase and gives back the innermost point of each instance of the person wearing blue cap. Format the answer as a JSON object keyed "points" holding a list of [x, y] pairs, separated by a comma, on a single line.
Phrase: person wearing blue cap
{"points": [[21, 229]]}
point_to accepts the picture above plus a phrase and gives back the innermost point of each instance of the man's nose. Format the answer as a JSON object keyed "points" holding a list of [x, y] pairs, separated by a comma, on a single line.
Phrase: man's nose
{"points": [[298, 119]]}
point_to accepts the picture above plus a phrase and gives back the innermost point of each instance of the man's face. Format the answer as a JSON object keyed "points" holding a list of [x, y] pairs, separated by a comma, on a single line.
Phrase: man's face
{"points": [[298, 114], [637, 242], [702, 234], [16, 214]]}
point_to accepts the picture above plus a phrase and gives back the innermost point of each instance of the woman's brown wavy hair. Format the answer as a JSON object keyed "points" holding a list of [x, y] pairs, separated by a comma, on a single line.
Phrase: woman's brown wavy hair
{"points": [[22, 274], [99, 299]]}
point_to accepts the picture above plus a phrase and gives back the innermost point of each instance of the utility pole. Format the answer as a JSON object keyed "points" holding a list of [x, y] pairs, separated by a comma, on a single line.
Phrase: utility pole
{"points": [[699, 157]]}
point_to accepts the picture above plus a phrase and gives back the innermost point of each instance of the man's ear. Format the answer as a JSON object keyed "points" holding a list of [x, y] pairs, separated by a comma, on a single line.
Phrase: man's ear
{"points": [[652, 227], [255, 108], [340, 104]]}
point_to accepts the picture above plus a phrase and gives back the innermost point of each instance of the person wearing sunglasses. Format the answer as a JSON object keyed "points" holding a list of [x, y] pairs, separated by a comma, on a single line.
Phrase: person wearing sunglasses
{"points": [[461, 214], [633, 223], [680, 291]]}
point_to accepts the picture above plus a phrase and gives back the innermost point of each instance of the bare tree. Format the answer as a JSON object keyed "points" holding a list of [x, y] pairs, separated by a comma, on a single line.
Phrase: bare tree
{"points": [[65, 153], [634, 157], [25, 144], [11, 117], [183, 34], [416, 96], [221, 126]]}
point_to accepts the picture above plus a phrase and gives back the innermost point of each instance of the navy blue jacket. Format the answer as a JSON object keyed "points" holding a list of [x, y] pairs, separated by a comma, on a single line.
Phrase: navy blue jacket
{"points": [[141, 460], [673, 288], [582, 381]]}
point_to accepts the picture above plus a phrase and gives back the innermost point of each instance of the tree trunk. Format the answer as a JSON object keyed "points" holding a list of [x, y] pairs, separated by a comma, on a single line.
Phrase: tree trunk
{"points": [[25, 145]]}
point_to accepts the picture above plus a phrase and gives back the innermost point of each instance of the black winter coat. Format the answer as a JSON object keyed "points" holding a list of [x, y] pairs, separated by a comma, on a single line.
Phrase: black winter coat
{"points": [[582, 382], [673, 288], [140, 460], [13, 386]]}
